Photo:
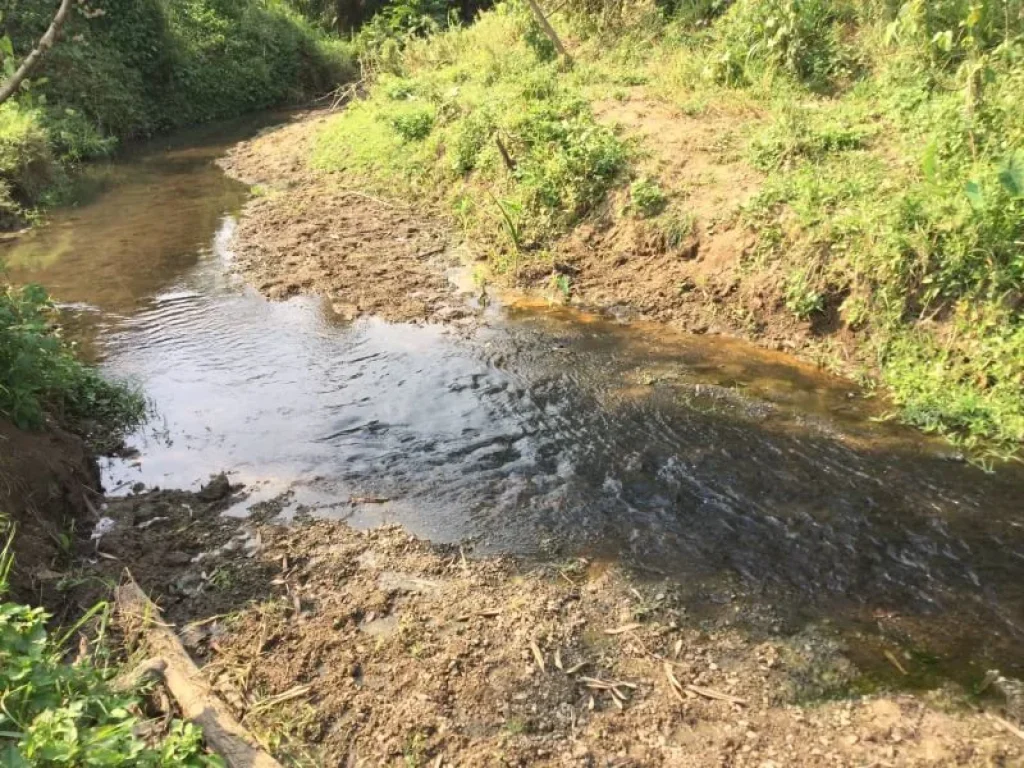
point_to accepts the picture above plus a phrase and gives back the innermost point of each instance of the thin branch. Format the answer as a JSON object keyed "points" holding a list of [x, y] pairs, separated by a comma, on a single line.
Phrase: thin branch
{"points": [[45, 43]]}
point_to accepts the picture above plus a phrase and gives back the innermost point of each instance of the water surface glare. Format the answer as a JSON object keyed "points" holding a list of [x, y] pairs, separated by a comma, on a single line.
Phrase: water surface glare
{"points": [[544, 431]]}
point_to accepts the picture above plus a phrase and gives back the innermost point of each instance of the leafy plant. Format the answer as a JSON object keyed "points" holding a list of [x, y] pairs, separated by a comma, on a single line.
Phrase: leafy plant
{"points": [[802, 298], [646, 197], [474, 110], [800, 38], [40, 375], [57, 714]]}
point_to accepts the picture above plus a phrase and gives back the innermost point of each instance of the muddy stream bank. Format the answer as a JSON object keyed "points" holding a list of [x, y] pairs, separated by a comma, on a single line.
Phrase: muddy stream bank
{"points": [[535, 430]]}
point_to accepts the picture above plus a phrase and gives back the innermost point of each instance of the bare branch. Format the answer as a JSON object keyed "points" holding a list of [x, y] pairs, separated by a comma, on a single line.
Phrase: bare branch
{"points": [[46, 42]]}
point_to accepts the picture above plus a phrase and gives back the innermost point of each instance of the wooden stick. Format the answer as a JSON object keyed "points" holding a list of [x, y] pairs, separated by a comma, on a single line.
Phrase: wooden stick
{"points": [[548, 30], [197, 700]]}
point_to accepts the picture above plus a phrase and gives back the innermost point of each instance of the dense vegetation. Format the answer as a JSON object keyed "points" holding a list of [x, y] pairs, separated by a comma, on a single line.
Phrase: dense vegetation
{"points": [[40, 375], [130, 68], [890, 136]]}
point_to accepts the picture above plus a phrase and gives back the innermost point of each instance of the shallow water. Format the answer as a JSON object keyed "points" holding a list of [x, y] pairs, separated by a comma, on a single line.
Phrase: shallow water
{"points": [[543, 431]]}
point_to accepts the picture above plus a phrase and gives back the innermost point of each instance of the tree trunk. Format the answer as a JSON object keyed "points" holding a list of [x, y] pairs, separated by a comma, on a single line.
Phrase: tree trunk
{"points": [[548, 29], [46, 42]]}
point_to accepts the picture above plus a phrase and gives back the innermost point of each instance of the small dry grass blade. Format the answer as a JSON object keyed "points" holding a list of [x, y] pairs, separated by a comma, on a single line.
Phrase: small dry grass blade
{"points": [[623, 629], [538, 656], [711, 693]]}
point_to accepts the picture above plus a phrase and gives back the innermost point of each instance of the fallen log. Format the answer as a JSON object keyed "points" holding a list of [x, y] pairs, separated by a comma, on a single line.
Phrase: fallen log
{"points": [[198, 703]]}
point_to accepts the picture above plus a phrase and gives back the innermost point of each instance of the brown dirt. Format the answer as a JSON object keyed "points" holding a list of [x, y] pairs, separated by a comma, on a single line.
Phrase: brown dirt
{"points": [[307, 234], [372, 648], [623, 262], [45, 479]]}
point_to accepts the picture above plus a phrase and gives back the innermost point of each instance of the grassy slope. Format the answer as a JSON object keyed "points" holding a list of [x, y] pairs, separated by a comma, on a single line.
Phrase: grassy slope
{"points": [[891, 142]]}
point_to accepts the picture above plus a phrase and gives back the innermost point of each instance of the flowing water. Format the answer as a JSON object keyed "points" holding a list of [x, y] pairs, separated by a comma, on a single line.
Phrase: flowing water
{"points": [[541, 431]]}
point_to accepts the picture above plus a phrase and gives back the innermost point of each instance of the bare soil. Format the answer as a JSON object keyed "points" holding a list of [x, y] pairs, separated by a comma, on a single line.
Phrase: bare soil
{"points": [[48, 482], [340, 647], [622, 261], [305, 233]]}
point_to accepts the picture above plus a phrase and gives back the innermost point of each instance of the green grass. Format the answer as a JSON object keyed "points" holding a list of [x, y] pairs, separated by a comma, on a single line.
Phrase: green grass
{"points": [[435, 125], [890, 137], [892, 142]]}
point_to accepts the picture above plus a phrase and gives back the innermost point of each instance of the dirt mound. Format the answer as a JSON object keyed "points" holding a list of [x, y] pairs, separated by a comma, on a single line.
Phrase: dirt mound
{"points": [[306, 234], [344, 647], [46, 479]]}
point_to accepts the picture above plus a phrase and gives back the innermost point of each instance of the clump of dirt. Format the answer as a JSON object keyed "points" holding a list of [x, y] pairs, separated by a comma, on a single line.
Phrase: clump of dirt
{"points": [[304, 233], [370, 648], [46, 480]]}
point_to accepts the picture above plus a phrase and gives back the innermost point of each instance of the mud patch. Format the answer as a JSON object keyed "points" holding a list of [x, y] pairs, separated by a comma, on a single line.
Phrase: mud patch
{"points": [[305, 233], [372, 648]]}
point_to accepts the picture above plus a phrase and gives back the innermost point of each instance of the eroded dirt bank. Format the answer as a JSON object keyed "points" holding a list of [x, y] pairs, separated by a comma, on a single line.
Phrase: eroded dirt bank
{"points": [[46, 481], [371, 648], [307, 232]]}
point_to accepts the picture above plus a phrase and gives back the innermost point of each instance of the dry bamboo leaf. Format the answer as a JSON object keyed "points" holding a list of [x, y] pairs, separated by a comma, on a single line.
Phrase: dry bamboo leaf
{"points": [[895, 662], [593, 682], [280, 698], [673, 684], [576, 668], [617, 702], [711, 693], [538, 656], [672, 678], [488, 614], [558, 659], [590, 703], [625, 684], [679, 647], [623, 629], [617, 694]]}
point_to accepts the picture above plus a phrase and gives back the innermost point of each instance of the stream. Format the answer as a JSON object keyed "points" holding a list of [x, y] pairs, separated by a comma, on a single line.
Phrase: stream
{"points": [[542, 431]]}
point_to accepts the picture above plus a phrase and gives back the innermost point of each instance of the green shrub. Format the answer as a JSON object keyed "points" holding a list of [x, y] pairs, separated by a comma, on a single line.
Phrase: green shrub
{"points": [[131, 68], [432, 128], [26, 162], [801, 38], [646, 197], [413, 122], [40, 375]]}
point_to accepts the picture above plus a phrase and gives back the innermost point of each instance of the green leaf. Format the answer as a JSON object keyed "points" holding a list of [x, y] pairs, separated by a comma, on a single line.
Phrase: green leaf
{"points": [[1011, 173], [930, 161], [974, 193]]}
